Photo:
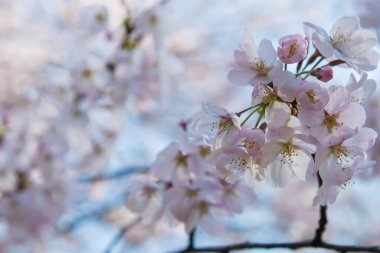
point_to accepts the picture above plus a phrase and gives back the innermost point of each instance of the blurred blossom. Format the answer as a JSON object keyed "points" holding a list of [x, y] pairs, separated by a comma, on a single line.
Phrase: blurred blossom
{"points": [[92, 86]]}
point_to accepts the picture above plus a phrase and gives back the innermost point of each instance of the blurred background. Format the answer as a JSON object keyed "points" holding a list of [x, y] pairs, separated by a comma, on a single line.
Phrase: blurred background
{"points": [[138, 86]]}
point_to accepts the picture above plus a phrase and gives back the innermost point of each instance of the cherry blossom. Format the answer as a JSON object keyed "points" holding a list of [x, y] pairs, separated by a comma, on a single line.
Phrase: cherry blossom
{"points": [[174, 163], [324, 73], [312, 96], [347, 42], [337, 163], [145, 198], [223, 126], [335, 121], [286, 154], [361, 90], [275, 100], [292, 49], [62, 130], [254, 65]]}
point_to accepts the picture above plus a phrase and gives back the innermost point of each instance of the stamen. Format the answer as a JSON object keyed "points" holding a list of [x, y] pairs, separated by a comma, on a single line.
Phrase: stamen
{"points": [[293, 50], [312, 97], [343, 155], [204, 208], [288, 152], [204, 151], [258, 65], [191, 193], [149, 192], [331, 121], [181, 159]]}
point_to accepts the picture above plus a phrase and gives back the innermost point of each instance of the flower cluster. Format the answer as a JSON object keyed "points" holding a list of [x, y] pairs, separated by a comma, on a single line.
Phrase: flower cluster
{"points": [[74, 109], [300, 124]]}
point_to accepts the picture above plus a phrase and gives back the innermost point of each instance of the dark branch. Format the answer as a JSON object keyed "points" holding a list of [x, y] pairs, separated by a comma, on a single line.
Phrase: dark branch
{"points": [[322, 225], [322, 219], [191, 240], [293, 245]]}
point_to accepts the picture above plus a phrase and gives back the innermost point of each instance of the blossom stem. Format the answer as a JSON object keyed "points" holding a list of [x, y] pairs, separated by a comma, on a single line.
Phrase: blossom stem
{"points": [[315, 65], [311, 59], [301, 73], [262, 112], [245, 110], [246, 119], [299, 66]]}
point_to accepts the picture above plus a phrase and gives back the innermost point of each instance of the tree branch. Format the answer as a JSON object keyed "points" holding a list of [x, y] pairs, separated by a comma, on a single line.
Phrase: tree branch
{"points": [[292, 245], [191, 240], [322, 219]]}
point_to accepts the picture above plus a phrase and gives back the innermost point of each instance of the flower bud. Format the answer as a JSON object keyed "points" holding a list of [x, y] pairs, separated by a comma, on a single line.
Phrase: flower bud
{"points": [[324, 73], [292, 49]]}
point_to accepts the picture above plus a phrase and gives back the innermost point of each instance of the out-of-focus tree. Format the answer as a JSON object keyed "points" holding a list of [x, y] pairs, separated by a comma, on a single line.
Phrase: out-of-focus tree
{"points": [[91, 92]]}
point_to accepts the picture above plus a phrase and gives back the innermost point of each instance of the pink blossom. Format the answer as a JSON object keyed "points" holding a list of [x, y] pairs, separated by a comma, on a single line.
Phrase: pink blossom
{"points": [[312, 96], [220, 124], [194, 203], [242, 158], [144, 197], [254, 65], [176, 163], [285, 154], [338, 163], [362, 89], [236, 195], [285, 89], [348, 42], [292, 49], [326, 195], [324, 73], [337, 120]]}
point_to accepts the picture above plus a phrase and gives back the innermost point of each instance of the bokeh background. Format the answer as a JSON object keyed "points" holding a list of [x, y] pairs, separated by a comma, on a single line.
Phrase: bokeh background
{"points": [[185, 60]]}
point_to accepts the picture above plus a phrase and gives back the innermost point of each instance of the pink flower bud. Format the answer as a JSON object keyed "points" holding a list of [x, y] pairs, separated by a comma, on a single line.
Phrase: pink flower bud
{"points": [[324, 73], [292, 49]]}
